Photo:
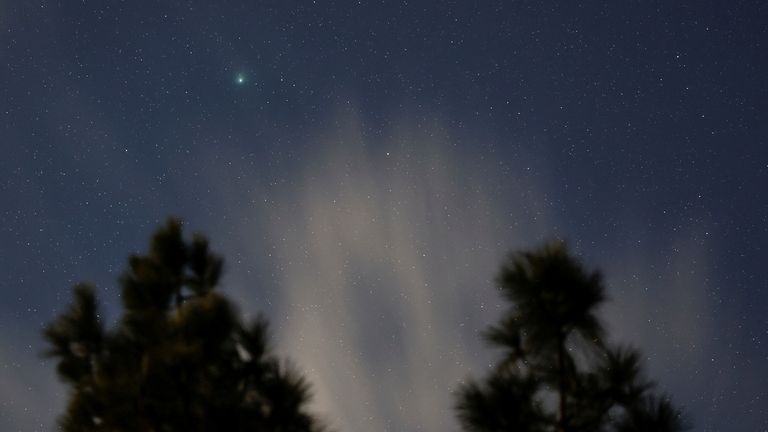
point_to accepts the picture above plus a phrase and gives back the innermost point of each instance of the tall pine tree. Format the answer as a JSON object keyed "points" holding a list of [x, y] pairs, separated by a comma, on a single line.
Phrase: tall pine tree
{"points": [[558, 373], [179, 358]]}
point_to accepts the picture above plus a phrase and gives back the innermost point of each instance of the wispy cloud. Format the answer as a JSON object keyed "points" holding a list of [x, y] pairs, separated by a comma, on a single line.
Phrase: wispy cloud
{"points": [[386, 250], [30, 396]]}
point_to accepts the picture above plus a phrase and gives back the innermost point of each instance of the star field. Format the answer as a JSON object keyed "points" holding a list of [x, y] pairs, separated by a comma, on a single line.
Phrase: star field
{"points": [[364, 167]]}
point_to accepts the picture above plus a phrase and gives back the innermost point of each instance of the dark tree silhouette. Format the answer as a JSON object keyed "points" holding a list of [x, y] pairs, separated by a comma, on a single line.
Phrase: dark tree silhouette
{"points": [[557, 372], [179, 358]]}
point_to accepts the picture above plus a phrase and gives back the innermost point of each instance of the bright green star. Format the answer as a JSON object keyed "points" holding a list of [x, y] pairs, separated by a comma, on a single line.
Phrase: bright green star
{"points": [[240, 79]]}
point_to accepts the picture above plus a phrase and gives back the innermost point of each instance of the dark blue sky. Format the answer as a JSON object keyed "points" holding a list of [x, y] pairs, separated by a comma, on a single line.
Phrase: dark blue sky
{"points": [[375, 161]]}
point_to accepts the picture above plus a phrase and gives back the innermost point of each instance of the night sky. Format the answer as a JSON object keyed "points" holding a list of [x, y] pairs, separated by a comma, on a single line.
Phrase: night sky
{"points": [[364, 167]]}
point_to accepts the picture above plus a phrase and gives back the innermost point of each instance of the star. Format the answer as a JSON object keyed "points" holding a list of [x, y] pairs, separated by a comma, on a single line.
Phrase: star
{"points": [[240, 79]]}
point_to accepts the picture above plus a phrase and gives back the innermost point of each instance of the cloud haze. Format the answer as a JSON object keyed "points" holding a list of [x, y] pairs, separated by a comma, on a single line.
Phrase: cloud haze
{"points": [[384, 253]]}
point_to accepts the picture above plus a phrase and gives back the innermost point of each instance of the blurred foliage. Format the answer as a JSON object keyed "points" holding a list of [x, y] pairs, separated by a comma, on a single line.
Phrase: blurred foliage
{"points": [[179, 358], [557, 371]]}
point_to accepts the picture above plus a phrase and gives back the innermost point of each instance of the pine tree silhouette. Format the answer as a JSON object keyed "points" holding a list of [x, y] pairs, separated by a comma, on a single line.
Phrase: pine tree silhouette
{"points": [[557, 372], [179, 358]]}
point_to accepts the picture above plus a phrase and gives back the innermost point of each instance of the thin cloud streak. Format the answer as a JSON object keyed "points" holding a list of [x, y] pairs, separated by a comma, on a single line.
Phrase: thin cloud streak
{"points": [[387, 254]]}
